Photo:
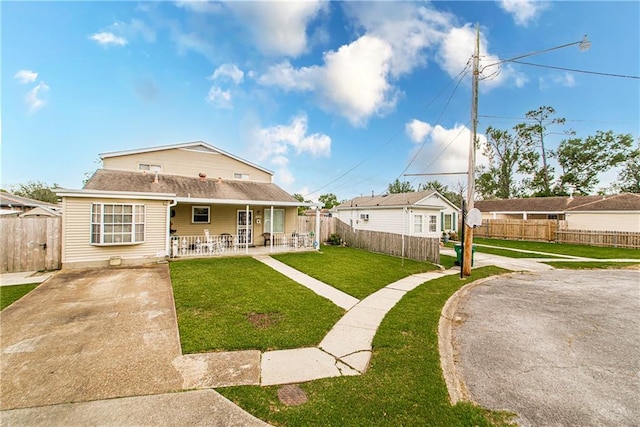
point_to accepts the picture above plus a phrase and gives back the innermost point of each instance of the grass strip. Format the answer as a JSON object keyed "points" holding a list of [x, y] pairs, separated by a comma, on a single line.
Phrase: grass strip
{"points": [[403, 386], [587, 265], [239, 304], [11, 294], [358, 273], [564, 248]]}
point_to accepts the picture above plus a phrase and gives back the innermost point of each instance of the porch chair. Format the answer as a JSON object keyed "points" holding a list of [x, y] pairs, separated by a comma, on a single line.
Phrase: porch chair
{"points": [[212, 245]]}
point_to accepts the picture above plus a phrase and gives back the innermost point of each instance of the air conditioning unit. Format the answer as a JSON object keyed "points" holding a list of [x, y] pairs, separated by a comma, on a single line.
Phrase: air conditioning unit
{"points": [[364, 217]]}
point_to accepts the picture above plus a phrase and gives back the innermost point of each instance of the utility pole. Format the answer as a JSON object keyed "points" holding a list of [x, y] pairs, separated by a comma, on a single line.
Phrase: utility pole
{"points": [[471, 182]]}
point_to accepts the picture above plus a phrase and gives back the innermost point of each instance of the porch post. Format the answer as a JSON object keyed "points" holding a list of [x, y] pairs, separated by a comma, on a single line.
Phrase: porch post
{"points": [[317, 239], [271, 231], [246, 237]]}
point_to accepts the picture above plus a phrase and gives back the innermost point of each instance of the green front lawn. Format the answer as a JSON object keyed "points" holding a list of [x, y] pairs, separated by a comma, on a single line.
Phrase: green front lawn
{"points": [[404, 385], [240, 304], [586, 265], [11, 294], [563, 249], [356, 272]]}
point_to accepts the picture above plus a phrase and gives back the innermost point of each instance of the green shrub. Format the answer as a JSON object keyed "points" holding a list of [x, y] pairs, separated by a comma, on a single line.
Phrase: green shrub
{"points": [[334, 239]]}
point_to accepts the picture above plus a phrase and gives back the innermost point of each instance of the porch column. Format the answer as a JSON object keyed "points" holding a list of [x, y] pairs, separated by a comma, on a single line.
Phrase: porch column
{"points": [[246, 237], [271, 231], [317, 239]]}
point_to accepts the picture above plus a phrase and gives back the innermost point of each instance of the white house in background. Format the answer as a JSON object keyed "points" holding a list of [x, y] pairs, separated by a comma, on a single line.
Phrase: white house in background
{"points": [[425, 213]]}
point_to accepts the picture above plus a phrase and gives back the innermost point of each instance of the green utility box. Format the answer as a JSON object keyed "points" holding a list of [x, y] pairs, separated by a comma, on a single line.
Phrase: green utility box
{"points": [[458, 248]]}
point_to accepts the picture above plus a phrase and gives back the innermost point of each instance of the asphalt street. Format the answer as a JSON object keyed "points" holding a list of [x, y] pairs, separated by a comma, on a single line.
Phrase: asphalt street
{"points": [[558, 348]]}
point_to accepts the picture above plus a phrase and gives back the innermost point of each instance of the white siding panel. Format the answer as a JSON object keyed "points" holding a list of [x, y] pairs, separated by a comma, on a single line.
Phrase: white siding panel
{"points": [[392, 220], [76, 232], [605, 221], [188, 163]]}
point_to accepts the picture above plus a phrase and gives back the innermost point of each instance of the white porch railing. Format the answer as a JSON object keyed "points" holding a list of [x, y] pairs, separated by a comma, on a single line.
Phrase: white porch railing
{"points": [[211, 245]]}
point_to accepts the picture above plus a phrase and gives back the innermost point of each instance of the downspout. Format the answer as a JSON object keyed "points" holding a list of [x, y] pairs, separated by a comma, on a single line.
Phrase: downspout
{"points": [[404, 220], [167, 243], [246, 237]]}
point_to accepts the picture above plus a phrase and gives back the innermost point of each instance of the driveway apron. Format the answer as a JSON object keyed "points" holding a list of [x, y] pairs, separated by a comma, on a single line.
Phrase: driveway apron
{"points": [[90, 334], [558, 348]]}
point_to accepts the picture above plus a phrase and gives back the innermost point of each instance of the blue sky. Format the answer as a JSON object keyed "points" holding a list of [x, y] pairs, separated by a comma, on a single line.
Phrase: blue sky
{"points": [[340, 97]]}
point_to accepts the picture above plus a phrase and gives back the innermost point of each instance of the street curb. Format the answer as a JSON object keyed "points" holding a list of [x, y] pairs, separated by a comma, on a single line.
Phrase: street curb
{"points": [[455, 384]]}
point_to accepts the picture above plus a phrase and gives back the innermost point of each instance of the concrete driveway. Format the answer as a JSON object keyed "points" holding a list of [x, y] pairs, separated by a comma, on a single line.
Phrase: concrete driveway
{"points": [[90, 334], [559, 348]]}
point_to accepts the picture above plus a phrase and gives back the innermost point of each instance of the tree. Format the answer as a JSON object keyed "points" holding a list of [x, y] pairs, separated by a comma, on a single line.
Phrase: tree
{"points": [[36, 190], [400, 187], [533, 135], [507, 156], [453, 196], [328, 200], [629, 176], [301, 209], [582, 161]]}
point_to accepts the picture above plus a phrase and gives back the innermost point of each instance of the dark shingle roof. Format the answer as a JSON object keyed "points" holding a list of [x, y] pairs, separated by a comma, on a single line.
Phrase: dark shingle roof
{"points": [[112, 180], [623, 201], [7, 199]]}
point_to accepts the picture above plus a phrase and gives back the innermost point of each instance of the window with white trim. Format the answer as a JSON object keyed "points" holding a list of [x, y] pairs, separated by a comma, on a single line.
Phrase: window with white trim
{"points": [[433, 222], [200, 215], [149, 167], [448, 222], [417, 223], [238, 175], [117, 223], [278, 220]]}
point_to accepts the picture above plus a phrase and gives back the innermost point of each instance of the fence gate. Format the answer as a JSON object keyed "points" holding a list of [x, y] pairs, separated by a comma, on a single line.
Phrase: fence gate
{"points": [[30, 244]]}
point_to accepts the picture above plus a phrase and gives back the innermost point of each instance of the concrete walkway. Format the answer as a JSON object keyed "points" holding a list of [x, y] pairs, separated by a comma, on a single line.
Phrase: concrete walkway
{"points": [[24, 278]]}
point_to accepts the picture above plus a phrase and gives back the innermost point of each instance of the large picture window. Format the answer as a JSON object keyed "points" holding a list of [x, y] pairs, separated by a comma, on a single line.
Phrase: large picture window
{"points": [[278, 220], [117, 223], [200, 215]]}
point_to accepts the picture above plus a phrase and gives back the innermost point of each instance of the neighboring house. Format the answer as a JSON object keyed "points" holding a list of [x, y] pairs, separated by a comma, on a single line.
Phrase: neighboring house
{"points": [[42, 211], [620, 212], [324, 212], [182, 199], [425, 213], [21, 205]]}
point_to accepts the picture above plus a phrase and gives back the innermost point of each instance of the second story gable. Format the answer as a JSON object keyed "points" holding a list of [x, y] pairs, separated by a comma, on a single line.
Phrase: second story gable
{"points": [[191, 159]]}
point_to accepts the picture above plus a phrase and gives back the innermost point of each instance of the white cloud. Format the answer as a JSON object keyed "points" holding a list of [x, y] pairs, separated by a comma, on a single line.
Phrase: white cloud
{"points": [[228, 71], [26, 76], [191, 41], [219, 98], [447, 150], [418, 130], [565, 80], [274, 144], [133, 29], [106, 39], [35, 97], [457, 49], [352, 81], [523, 11], [279, 27]]}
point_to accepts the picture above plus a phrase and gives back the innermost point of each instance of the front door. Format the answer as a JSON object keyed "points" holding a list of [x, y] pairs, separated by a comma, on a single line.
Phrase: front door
{"points": [[244, 229]]}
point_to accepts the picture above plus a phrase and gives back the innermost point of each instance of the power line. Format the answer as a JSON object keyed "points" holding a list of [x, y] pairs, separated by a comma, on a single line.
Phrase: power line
{"points": [[577, 71]]}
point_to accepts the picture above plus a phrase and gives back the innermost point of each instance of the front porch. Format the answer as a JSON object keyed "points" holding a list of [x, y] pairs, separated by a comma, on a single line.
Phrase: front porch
{"points": [[225, 244]]}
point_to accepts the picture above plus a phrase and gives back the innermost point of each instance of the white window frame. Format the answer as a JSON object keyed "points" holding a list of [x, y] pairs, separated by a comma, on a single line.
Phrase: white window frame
{"points": [[193, 214], [448, 217], [112, 228], [240, 175], [149, 167], [433, 223], [267, 219], [417, 223]]}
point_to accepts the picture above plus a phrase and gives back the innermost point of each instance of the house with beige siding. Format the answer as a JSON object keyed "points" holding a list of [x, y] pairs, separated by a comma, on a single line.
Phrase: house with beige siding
{"points": [[619, 212], [424, 213], [189, 199]]}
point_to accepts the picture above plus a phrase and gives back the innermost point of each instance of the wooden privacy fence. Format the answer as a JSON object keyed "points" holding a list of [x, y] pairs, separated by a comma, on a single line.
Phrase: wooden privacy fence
{"points": [[30, 244], [417, 248], [307, 224], [520, 229], [613, 239]]}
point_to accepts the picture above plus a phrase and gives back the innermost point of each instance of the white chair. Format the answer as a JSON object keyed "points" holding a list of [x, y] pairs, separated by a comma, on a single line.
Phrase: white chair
{"points": [[210, 244]]}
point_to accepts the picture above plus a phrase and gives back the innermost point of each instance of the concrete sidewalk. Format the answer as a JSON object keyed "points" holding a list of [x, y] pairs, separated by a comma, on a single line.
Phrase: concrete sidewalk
{"points": [[24, 277]]}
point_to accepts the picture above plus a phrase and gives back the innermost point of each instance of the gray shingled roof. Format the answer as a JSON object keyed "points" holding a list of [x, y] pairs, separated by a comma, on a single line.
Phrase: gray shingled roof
{"points": [[624, 201], [7, 199], [397, 199], [112, 180]]}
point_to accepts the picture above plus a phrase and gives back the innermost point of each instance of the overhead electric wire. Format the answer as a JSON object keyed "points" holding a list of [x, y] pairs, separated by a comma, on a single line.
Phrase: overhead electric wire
{"points": [[374, 152], [577, 71]]}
